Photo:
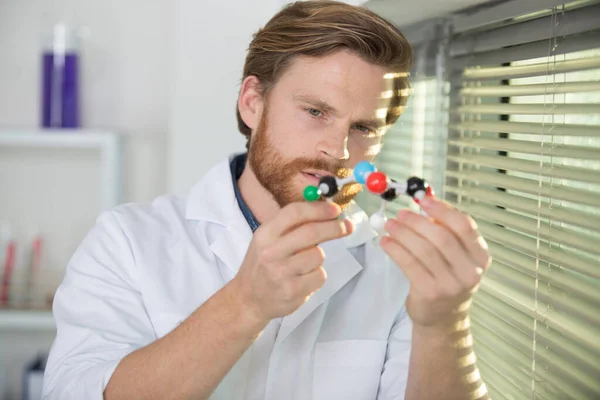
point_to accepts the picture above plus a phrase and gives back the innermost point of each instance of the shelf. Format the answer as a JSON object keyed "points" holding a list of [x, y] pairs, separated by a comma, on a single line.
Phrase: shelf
{"points": [[58, 138], [109, 144], [26, 320]]}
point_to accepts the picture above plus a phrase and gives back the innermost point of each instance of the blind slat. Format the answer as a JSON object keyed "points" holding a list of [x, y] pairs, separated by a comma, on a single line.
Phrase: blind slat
{"points": [[493, 352], [571, 23], [527, 51], [495, 377], [528, 90], [519, 360], [527, 109], [530, 147], [520, 71], [509, 383], [570, 260], [502, 382], [561, 345], [527, 127], [568, 379], [580, 331], [488, 306], [555, 212], [501, 12], [566, 302], [532, 167], [548, 232], [392, 148], [557, 276], [529, 186]]}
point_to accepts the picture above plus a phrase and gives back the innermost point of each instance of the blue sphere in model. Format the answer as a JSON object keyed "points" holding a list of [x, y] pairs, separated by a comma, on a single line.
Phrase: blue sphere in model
{"points": [[361, 169]]}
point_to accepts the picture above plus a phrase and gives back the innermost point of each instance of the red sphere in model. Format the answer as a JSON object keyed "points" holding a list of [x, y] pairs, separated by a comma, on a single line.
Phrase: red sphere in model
{"points": [[429, 191], [377, 182]]}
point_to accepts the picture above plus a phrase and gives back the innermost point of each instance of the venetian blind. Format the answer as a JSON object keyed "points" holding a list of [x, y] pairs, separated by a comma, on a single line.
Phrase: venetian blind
{"points": [[524, 161], [415, 144]]}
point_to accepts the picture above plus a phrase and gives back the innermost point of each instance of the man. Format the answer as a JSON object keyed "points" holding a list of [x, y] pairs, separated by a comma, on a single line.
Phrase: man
{"points": [[240, 290]]}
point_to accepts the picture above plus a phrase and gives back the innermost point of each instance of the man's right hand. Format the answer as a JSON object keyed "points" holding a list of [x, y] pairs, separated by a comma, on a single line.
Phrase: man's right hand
{"points": [[282, 268], [283, 264]]}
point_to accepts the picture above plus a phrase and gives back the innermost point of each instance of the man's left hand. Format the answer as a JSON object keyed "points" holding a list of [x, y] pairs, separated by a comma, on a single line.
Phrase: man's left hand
{"points": [[443, 256]]}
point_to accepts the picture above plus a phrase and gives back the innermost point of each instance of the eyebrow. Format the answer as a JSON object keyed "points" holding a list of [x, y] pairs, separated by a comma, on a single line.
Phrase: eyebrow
{"points": [[318, 103], [324, 106]]}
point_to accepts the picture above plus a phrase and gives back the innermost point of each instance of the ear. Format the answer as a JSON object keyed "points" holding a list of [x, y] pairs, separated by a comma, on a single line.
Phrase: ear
{"points": [[250, 101]]}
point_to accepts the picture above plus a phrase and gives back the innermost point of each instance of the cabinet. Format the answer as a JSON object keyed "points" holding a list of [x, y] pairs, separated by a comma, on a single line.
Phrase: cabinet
{"points": [[59, 181]]}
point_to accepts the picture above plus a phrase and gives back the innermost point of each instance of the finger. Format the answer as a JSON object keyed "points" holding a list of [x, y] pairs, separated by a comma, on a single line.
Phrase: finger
{"points": [[462, 225], [427, 254], [462, 267], [305, 261], [298, 213], [420, 278], [313, 281], [312, 234]]}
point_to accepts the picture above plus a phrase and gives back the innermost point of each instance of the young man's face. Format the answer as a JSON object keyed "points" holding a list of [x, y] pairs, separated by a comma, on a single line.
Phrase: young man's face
{"points": [[322, 117]]}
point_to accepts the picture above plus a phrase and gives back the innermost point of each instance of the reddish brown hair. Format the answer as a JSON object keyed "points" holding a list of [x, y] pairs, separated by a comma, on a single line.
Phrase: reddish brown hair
{"points": [[320, 28]]}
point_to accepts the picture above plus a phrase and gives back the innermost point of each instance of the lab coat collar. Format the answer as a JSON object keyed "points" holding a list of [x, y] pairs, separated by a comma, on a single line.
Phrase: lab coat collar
{"points": [[213, 200]]}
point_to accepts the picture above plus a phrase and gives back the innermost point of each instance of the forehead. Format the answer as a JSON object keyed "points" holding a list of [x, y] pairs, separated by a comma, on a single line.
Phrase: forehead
{"points": [[342, 79]]}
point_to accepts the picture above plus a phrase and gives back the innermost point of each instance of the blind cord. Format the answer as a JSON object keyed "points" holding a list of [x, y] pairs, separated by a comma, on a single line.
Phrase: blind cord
{"points": [[552, 45]]}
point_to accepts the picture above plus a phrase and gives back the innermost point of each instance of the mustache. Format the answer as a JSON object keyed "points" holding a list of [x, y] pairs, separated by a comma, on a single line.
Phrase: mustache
{"points": [[336, 168]]}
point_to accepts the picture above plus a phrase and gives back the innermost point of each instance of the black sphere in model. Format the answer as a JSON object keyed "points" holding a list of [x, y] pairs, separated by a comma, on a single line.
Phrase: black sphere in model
{"points": [[391, 194], [414, 185], [328, 186]]}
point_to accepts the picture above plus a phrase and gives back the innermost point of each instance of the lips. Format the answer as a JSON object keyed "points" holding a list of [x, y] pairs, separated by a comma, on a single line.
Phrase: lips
{"points": [[312, 178], [317, 174]]}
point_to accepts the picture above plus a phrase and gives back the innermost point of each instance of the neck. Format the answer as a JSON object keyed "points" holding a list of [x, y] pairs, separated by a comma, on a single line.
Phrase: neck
{"points": [[257, 198]]}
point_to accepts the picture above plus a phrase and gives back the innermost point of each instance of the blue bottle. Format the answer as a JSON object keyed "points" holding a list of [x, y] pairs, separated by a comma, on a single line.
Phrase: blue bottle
{"points": [[60, 81]]}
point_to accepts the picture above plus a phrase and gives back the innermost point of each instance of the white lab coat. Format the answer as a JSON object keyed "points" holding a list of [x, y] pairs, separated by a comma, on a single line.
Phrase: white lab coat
{"points": [[144, 268]]}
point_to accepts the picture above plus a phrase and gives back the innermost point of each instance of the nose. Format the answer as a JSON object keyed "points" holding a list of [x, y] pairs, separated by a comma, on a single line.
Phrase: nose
{"points": [[334, 145]]}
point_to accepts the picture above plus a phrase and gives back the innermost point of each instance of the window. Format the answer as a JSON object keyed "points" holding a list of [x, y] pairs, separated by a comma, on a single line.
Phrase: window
{"points": [[408, 149], [524, 161], [415, 144]]}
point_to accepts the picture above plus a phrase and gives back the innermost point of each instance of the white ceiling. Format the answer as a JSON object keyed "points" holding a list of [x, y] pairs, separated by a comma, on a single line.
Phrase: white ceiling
{"points": [[407, 12]]}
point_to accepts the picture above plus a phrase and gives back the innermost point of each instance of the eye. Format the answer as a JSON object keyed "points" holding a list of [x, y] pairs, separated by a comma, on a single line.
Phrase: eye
{"points": [[364, 129], [314, 112]]}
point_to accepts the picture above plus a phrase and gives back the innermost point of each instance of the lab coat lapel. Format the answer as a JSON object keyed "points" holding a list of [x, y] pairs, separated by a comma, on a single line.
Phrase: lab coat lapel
{"points": [[212, 200], [230, 247]]}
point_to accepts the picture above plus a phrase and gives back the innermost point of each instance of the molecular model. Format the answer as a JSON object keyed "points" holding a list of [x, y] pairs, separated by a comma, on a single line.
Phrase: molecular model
{"points": [[377, 183]]}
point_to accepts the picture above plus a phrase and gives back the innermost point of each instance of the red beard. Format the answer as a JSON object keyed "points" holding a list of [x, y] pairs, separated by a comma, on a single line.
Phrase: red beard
{"points": [[278, 175]]}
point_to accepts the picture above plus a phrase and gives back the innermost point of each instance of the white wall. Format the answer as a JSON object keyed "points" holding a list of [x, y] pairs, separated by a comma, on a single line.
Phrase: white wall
{"points": [[126, 71], [164, 73], [211, 38], [125, 74]]}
